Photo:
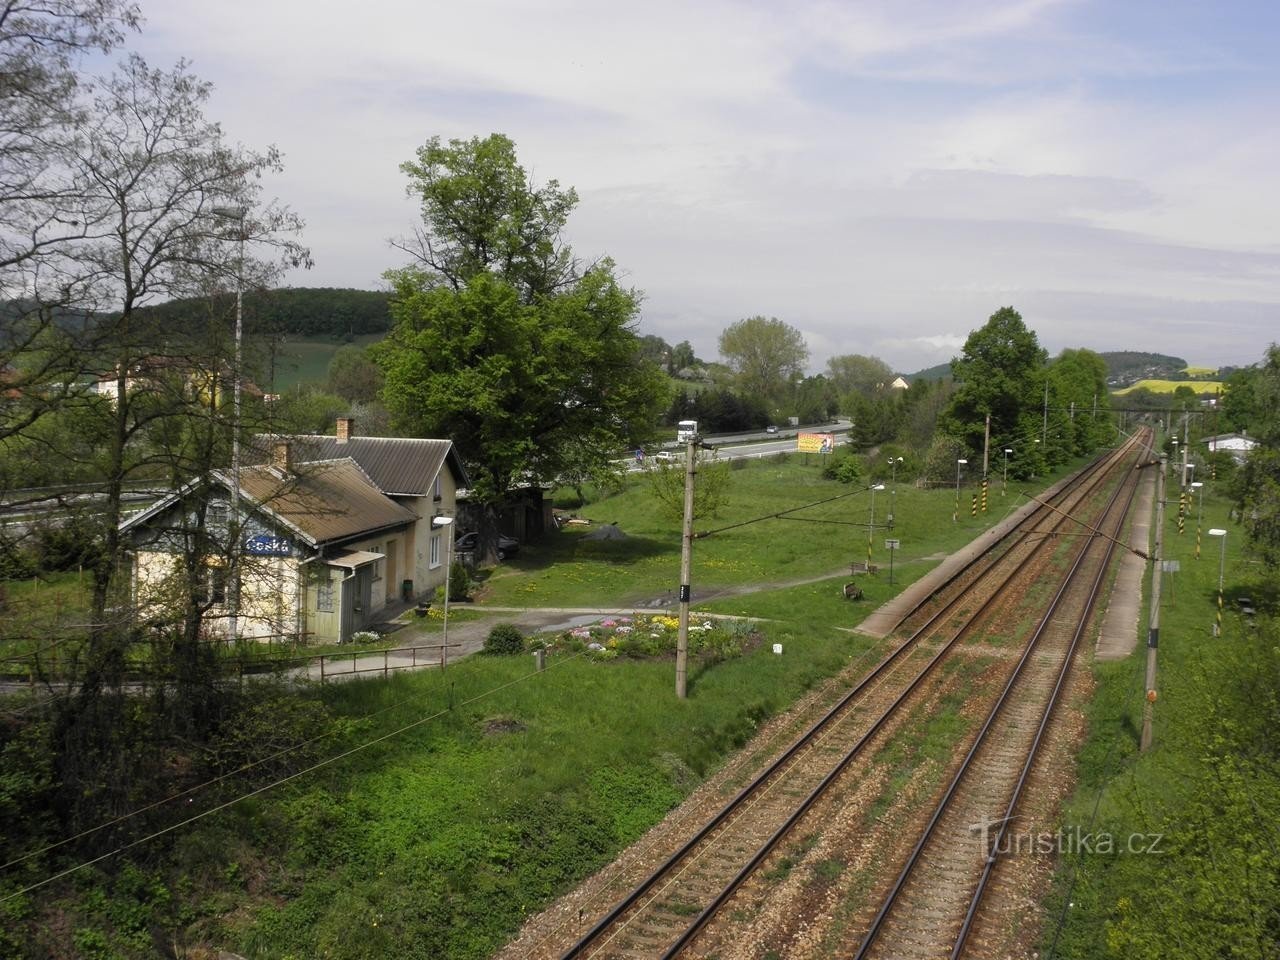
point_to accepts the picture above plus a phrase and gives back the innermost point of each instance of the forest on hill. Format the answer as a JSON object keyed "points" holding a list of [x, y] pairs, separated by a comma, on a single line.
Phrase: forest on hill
{"points": [[295, 311]]}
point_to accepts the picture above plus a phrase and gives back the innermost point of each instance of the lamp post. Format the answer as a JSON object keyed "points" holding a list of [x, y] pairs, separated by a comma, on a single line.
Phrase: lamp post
{"points": [[955, 514], [1222, 557], [1005, 486], [445, 523], [893, 490], [237, 214], [1198, 486], [871, 527]]}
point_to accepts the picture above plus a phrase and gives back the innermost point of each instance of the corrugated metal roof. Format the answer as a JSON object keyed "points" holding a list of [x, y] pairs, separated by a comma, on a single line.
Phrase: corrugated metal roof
{"points": [[326, 500], [399, 466]]}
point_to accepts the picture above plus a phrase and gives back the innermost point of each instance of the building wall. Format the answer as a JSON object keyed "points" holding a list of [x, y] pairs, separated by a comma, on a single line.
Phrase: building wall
{"points": [[426, 576], [268, 594]]}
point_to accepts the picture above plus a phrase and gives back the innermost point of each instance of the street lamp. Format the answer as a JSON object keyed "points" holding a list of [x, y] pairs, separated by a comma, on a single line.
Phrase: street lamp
{"points": [[1222, 557], [1199, 487], [237, 214], [871, 528], [955, 514], [893, 490], [1005, 486], [444, 523]]}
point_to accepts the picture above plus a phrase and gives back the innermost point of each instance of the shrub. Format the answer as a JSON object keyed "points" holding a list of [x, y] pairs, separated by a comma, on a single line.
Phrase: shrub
{"points": [[845, 469], [504, 639]]}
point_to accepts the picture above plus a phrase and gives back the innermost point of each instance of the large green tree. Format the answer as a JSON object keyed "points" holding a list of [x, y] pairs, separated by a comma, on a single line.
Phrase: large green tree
{"points": [[1000, 374], [1259, 482], [1079, 397], [530, 365], [767, 357], [855, 373], [481, 213]]}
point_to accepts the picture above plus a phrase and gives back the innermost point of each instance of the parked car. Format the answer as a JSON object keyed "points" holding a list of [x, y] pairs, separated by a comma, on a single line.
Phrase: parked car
{"points": [[469, 542]]}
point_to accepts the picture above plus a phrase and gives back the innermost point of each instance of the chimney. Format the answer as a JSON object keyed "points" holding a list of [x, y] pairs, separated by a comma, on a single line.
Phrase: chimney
{"points": [[346, 427], [282, 456]]}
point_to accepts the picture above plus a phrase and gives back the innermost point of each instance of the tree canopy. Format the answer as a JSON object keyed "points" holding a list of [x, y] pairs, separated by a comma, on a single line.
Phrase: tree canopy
{"points": [[1001, 374], [767, 356], [531, 367], [1259, 482], [481, 213]]}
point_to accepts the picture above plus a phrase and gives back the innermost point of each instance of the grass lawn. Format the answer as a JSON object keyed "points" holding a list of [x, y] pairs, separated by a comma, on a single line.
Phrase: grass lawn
{"points": [[566, 569]]}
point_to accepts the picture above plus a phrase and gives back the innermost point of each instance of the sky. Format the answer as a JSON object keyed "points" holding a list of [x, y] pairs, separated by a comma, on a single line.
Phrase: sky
{"points": [[882, 176]]}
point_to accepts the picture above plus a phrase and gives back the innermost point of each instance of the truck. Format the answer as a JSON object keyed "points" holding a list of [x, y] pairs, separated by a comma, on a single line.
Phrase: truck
{"points": [[686, 430]]}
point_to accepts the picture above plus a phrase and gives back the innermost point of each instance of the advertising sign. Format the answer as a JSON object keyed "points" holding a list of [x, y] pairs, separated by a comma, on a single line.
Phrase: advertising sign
{"points": [[815, 442]]}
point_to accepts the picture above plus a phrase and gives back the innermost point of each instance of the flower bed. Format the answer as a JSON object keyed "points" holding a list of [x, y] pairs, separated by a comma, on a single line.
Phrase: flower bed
{"points": [[646, 635]]}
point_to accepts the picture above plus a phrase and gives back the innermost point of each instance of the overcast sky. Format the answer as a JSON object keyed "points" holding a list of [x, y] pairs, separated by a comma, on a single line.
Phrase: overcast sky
{"points": [[881, 175]]}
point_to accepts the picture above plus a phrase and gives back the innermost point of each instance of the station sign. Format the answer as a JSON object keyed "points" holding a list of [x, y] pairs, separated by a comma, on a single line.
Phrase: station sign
{"points": [[267, 546]]}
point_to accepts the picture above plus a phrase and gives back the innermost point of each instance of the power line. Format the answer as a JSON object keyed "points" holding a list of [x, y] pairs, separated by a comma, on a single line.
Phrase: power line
{"points": [[781, 514]]}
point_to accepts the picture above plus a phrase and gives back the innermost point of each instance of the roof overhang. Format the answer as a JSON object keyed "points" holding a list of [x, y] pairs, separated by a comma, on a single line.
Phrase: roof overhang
{"points": [[352, 559]]}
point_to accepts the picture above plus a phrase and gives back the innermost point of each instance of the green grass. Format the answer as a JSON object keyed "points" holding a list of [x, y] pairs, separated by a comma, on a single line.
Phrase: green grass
{"points": [[565, 569], [1209, 785], [451, 834], [306, 359]]}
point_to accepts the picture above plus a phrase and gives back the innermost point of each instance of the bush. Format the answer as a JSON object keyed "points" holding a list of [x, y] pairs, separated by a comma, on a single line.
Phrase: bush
{"points": [[460, 583], [845, 469], [504, 639]]}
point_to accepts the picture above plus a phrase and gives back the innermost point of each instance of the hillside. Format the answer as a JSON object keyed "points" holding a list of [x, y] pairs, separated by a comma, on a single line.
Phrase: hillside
{"points": [[1126, 367], [295, 311]]}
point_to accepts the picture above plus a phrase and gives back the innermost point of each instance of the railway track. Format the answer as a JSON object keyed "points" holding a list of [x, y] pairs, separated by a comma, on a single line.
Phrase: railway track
{"points": [[668, 911], [930, 909]]}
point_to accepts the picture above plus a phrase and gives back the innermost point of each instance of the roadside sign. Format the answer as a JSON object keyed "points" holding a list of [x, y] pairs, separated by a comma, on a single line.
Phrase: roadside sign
{"points": [[892, 544]]}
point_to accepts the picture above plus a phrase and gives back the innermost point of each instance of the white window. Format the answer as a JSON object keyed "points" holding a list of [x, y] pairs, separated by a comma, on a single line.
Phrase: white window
{"points": [[435, 550], [324, 596], [437, 489], [377, 566]]}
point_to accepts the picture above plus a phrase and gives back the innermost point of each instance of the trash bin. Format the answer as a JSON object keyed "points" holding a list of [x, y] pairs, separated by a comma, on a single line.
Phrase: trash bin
{"points": [[406, 590]]}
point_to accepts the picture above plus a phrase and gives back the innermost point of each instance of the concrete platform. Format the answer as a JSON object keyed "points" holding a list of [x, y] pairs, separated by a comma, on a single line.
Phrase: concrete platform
{"points": [[1120, 629], [881, 622]]}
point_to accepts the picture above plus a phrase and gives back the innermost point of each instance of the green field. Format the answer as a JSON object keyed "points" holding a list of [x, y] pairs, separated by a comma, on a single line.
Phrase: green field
{"points": [[306, 359]]}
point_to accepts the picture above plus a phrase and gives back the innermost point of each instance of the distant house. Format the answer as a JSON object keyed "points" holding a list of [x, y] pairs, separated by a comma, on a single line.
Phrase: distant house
{"points": [[333, 529], [1236, 444], [158, 372], [899, 384]]}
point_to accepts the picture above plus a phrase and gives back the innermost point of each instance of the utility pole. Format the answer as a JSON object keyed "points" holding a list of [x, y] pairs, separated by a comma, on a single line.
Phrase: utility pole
{"points": [[986, 445], [1153, 630], [1186, 447], [686, 565]]}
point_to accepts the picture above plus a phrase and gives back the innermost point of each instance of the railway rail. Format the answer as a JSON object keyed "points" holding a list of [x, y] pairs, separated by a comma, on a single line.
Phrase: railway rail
{"points": [[669, 910]]}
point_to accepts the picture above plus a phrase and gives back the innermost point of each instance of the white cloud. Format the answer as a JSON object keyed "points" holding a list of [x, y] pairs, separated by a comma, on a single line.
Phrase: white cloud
{"points": [[878, 174]]}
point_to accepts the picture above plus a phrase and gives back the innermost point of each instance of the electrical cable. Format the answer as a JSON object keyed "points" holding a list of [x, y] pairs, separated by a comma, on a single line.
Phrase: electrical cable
{"points": [[781, 514]]}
